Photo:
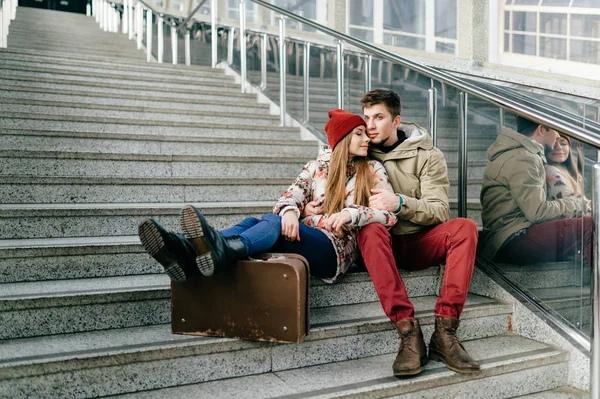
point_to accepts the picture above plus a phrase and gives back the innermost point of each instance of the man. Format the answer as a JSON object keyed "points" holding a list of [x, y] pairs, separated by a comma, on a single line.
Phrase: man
{"points": [[520, 225], [423, 237]]}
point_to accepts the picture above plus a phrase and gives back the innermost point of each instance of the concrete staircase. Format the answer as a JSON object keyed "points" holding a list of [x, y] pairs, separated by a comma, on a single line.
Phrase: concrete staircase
{"points": [[93, 141]]}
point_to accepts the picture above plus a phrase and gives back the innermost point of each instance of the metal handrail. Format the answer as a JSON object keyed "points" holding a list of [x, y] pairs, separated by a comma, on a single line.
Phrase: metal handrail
{"points": [[507, 103]]}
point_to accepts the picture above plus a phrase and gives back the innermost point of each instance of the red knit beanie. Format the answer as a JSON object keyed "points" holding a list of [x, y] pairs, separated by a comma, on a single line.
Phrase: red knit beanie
{"points": [[340, 124]]}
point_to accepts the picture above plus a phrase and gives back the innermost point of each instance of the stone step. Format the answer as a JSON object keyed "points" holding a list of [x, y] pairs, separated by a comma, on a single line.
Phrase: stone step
{"points": [[60, 125], [117, 92], [173, 86], [111, 104], [106, 104], [57, 164], [45, 60], [21, 221], [65, 190], [108, 71], [68, 59], [150, 357], [512, 365], [546, 275], [104, 303], [127, 117], [558, 393], [132, 55], [120, 47], [153, 144]]}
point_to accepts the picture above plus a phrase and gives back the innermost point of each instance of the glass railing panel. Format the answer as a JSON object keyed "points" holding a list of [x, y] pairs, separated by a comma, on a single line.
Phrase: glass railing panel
{"points": [[484, 121], [234, 53], [253, 57], [448, 137], [295, 78], [323, 85], [535, 218], [272, 89], [354, 81]]}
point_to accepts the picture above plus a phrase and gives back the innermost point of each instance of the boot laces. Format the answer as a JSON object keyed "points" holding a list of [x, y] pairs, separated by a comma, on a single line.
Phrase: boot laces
{"points": [[452, 337], [404, 340]]}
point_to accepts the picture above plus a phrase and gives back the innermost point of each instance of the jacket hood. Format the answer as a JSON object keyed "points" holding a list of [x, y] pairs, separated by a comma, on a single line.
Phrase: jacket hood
{"points": [[416, 137], [509, 139]]}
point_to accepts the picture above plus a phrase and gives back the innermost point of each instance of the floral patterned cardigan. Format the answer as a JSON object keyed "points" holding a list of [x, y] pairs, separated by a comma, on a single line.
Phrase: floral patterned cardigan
{"points": [[310, 185]]}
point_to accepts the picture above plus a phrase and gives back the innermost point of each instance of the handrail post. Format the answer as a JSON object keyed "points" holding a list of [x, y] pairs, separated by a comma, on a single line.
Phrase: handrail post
{"points": [[188, 51], [149, 28], [263, 62], [174, 44], [160, 40], [140, 24], [368, 63], [2, 39], [594, 338], [131, 19], [282, 72], [125, 21], [340, 74], [502, 118], [432, 113], [243, 60], [213, 32], [463, 108], [230, 45], [306, 82]]}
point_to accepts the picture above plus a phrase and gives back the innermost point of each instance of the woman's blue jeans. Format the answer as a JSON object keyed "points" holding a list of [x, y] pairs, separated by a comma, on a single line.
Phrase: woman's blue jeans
{"points": [[264, 235]]}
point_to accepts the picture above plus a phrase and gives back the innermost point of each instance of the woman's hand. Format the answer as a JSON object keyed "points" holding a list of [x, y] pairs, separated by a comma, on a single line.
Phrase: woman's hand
{"points": [[337, 220], [289, 226]]}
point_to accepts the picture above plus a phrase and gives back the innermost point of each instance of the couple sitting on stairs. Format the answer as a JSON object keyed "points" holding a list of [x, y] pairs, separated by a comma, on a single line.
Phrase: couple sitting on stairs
{"points": [[344, 203]]}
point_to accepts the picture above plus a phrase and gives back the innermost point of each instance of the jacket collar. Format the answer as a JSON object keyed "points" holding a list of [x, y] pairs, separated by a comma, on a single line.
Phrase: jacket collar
{"points": [[417, 138]]}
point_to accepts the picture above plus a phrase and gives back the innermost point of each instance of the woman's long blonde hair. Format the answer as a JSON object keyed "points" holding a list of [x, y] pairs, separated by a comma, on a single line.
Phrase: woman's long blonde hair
{"points": [[335, 190]]}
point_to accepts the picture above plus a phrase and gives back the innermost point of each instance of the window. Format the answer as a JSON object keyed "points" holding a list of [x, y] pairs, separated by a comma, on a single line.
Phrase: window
{"points": [[567, 30], [429, 25]]}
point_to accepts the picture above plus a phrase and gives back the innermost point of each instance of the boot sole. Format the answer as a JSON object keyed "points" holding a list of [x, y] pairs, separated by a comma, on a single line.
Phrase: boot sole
{"points": [[154, 244], [192, 229], [438, 358]]}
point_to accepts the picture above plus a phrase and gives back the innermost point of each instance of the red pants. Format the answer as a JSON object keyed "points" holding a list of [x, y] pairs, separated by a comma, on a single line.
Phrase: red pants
{"points": [[453, 242], [550, 242]]}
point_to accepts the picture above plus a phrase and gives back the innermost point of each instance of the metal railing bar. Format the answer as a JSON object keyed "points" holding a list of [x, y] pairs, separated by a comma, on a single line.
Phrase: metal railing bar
{"points": [[500, 101]]}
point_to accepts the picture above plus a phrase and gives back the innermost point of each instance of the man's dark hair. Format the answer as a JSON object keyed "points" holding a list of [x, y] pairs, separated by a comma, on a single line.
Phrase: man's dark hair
{"points": [[525, 126], [389, 98]]}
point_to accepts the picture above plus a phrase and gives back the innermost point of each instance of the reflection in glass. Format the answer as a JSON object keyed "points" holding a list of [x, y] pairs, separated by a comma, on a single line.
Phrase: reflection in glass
{"points": [[362, 34], [524, 21], [408, 16], [416, 43], [586, 3], [556, 3], [361, 12], [551, 47], [446, 19], [553, 23], [585, 51], [445, 48], [585, 25], [524, 44]]}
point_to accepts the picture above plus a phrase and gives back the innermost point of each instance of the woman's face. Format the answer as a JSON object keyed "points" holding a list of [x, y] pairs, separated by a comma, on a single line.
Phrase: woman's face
{"points": [[359, 143], [560, 151]]}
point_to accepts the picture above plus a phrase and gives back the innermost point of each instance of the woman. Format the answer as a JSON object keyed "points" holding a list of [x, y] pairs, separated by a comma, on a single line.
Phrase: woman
{"points": [[563, 172], [342, 178]]}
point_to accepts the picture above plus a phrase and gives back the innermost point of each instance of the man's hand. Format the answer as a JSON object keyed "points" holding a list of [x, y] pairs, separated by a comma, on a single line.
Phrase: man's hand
{"points": [[313, 208], [289, 226], [337, 220], [383, 200]]}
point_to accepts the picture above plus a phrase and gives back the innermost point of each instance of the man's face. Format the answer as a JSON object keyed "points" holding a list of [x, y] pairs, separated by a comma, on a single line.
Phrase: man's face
{"points": [[381, 127], [549, 137]]}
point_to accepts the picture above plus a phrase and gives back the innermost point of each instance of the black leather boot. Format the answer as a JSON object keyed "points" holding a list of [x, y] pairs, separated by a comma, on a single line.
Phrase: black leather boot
{"points": [[172, 251], [213, 251]]}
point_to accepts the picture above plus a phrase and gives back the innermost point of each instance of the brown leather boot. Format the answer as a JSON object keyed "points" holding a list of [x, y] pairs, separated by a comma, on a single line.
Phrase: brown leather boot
{"points": [[412, 354], [445, 347]]}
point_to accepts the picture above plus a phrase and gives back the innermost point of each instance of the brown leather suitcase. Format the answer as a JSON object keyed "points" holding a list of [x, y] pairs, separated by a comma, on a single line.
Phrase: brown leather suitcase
{"points": [[264, 299]]}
